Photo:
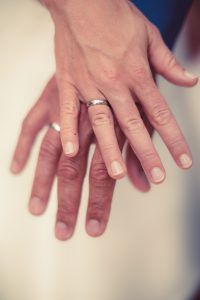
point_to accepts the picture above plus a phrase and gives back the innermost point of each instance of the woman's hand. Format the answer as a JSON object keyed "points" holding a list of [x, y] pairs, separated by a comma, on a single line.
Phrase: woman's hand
{"points": [[106, 49], [70, 171]]}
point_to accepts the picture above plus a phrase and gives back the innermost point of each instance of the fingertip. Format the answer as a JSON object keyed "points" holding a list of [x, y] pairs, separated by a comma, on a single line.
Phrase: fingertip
{"points": [[184, 78], [185, 161], [63, 232], [118, 170], [70, 144], [191, 79], [191, 76], [15, 167], [94, 228], [70, 149], [157, 175], [36, 206], [119, 176]]}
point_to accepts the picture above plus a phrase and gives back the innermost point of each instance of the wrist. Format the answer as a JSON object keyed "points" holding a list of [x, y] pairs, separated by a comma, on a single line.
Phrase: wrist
{"points": [[60, 7]]}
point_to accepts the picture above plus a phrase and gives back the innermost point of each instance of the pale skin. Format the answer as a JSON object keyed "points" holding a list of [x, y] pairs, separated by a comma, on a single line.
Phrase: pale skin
{"points": [[70, 171], [104, 49]]}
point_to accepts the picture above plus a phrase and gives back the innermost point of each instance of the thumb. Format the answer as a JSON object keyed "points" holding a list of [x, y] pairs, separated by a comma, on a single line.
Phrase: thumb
{"points": [[165, 63]]}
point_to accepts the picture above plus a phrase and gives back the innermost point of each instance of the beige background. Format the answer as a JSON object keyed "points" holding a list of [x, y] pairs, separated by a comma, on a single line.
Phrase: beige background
{"points": [[150, 250]]}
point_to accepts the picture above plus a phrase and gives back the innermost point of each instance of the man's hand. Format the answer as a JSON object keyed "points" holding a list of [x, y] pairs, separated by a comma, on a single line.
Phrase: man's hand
{"points": [[70, 171]]}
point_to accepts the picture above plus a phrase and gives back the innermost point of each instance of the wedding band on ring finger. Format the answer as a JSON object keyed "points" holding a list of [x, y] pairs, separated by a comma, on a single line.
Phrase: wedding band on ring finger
{"points": [[55, 126], [94, 102]]}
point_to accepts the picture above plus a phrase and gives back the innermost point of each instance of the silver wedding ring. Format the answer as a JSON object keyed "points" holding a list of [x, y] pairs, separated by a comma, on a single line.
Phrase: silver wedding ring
{"points": [[94, 102], [55, 126]]}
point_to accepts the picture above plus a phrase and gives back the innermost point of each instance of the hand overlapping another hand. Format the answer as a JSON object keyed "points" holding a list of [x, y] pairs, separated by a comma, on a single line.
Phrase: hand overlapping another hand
{"points": [[70, 171], [107, 49]]}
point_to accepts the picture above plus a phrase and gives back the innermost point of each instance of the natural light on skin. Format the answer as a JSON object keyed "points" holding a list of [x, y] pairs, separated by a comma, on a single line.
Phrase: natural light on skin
{"points": [[109, 61], [149, 240]]}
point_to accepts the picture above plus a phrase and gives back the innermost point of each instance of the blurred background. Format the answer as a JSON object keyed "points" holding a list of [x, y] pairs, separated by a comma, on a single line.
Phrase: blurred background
{"points": [[151, 249]]}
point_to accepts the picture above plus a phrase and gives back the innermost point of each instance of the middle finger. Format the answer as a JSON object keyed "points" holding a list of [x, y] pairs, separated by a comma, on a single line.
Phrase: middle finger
{"points": [[133, 127]]}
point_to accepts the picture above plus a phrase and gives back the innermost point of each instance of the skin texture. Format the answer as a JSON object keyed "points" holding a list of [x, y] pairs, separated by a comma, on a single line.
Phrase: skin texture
{"points": [[70, 171], [109, 51]]}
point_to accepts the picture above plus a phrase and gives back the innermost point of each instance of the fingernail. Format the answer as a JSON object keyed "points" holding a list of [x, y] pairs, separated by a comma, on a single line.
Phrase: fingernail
{"points": [[116, 168], [62, 231], [15, 167], [190, 75], [69, 148], [185, 161], [157, 174], [93, 227], [36, 206]]}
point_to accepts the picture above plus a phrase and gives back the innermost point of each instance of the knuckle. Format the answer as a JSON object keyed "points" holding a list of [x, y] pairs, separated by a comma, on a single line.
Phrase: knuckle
{"points": [[108, 149], [66, 209], [133, 124], [66, 129], [67, 126], [161, 115], [142, 77], [99, 172], [109, 76], [171, 60], [140, 72], [176, 144], [148, 155], [97, 208], [68, 171], [42, 182], [48, 150], [70, 108], [101, 118]]}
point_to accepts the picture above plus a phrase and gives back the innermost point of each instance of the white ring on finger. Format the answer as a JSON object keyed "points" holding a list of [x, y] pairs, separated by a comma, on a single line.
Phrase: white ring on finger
{"points": [[94, 102], [55, 126]]}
